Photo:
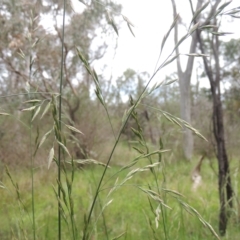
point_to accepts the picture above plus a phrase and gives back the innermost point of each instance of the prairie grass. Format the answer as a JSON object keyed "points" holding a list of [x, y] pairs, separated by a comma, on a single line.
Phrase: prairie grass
{"points": [[128, 213]]}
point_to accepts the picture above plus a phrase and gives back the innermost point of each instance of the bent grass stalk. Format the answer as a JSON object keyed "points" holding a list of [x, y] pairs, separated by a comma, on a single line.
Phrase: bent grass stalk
{"points": [[126, 117], [131, 110], [139, 134], [60, 118], [34, 112]]}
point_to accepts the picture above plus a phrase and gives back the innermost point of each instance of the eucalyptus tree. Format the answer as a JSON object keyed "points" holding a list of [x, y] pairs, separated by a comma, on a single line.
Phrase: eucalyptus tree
{"points": [[184, 86], [185, 76], [212, 66], [211, 46]]}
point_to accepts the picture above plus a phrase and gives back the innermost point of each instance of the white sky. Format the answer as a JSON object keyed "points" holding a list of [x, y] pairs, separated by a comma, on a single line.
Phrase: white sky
{"points": [[152, 19]]}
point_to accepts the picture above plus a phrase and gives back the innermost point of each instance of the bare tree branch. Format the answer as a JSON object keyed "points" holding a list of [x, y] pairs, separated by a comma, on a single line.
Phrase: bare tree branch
{"points": [[179, 68]]}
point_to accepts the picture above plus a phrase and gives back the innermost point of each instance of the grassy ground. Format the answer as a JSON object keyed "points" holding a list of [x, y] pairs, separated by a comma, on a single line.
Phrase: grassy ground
{"points": [[129, 210]]}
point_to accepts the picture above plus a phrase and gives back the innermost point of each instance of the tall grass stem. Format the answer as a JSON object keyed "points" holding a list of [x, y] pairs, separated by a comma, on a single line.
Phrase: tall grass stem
{"points": [[59, 119], [31, 151]]}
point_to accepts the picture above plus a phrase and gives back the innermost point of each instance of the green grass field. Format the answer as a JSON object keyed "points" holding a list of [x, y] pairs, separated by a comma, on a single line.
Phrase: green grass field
{"points": [[127, 212]]}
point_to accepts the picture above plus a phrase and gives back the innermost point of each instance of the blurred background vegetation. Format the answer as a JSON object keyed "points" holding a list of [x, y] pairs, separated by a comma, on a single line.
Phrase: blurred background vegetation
{"points": [[90, 32]]}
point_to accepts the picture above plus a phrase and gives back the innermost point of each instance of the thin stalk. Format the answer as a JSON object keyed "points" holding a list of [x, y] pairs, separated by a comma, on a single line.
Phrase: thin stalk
{"points": [[101, 207], [111, 154], [117, 140], [70, 200], [59, 119], [32, 182], [32, 158], [163, 210], [182, 221], [110, 121], [71, 211], [19, 94]]}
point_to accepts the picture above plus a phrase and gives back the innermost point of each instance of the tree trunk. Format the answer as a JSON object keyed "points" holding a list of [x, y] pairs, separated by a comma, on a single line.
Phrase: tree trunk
{"points": [[185, 109], [214, 76], [224, 180], [184, 85]]}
